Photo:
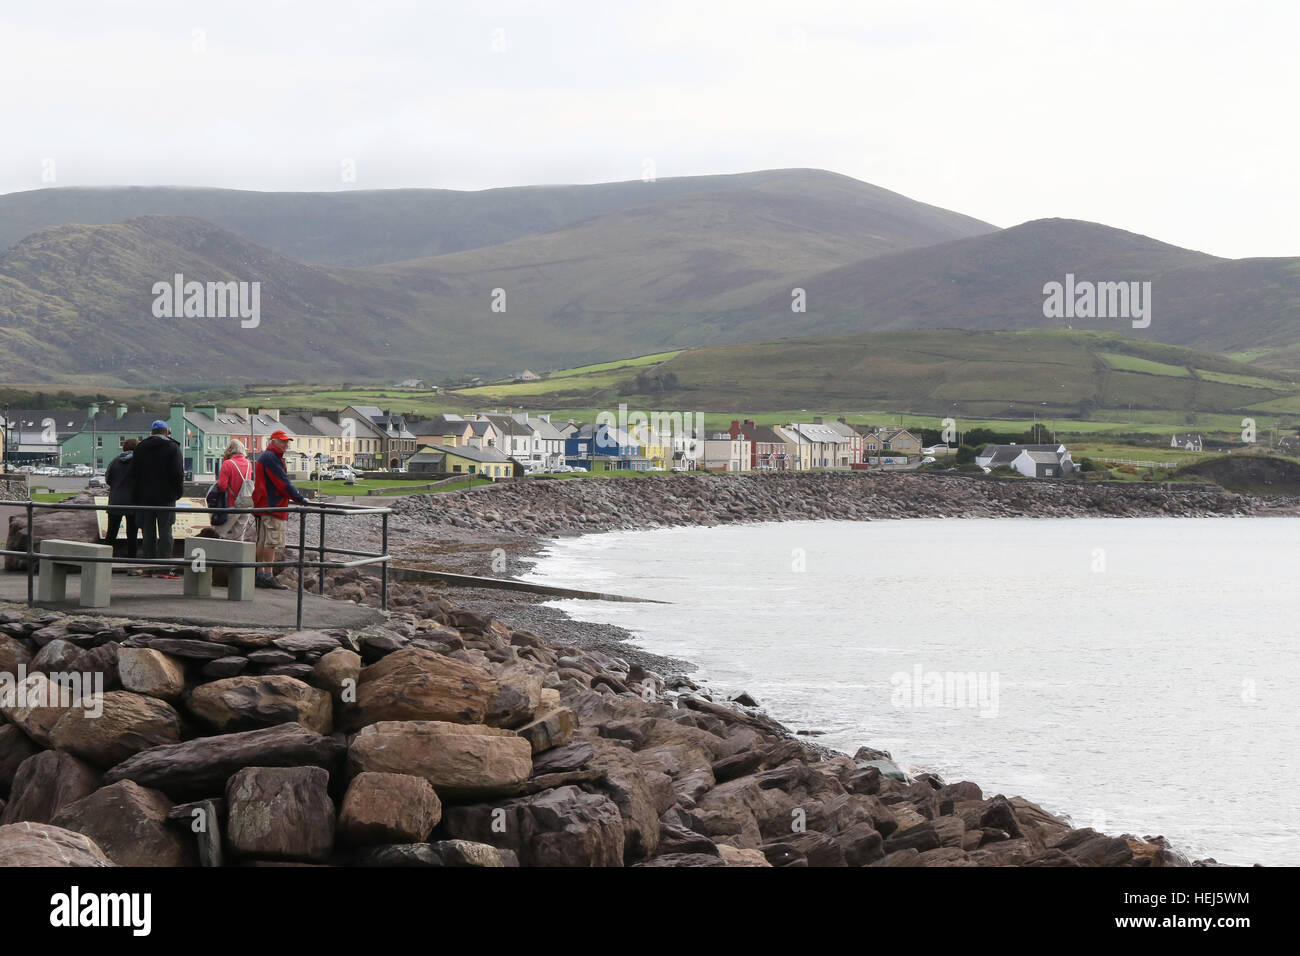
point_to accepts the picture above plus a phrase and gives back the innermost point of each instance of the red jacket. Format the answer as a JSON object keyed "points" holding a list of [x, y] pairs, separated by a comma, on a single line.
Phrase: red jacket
{"points": [[273, 488]]}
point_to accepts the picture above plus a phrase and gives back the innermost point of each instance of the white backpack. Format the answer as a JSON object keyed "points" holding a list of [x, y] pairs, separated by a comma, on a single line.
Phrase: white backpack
{"points": [[244, 498]]}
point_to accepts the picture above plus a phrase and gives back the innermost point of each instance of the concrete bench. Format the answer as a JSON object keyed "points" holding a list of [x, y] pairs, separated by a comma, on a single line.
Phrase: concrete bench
{"points": [[58, 557], [200, 551]]}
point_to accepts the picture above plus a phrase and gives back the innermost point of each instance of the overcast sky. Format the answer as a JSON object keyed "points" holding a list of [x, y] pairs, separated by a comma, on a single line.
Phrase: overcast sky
{"points": [[1173, 119]]}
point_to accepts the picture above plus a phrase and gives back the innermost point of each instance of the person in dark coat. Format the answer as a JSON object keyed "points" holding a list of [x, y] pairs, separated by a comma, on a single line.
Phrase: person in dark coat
{"points": [[119, 494], [157, 477]]}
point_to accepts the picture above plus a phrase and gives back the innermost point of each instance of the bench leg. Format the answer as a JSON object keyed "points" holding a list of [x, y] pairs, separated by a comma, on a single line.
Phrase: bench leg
{"points": [[96, 583], [53, 581], [241, 584], [197, 583]]}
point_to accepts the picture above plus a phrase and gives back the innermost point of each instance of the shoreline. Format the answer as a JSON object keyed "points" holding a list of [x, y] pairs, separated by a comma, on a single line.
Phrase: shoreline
{"points": [[695, 778], [532, 612]]}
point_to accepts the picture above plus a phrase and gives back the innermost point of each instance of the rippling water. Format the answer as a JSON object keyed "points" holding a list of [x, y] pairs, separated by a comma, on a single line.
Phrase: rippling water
{"points": [[1138, 675]]}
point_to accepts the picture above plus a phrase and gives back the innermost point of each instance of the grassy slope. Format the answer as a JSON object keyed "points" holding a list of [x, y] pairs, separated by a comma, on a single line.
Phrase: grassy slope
{"points": [[914, 378]]}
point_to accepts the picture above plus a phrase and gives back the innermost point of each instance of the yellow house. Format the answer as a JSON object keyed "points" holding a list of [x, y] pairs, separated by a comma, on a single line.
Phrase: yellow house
{"points": [[652, 444], [462, 460]]}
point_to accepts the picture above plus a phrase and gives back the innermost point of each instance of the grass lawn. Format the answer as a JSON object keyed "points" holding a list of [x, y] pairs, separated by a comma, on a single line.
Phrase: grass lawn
{"points": [[359, 490]]}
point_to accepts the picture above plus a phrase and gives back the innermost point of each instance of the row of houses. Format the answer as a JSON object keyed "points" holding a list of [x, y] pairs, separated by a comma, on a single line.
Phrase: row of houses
{"points": [[358, 436], [835, 445], [492, 443]]}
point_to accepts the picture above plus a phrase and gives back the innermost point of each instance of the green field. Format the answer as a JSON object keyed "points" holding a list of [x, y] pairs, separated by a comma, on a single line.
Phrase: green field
{"points": [[637, 362], [1132, 363]]}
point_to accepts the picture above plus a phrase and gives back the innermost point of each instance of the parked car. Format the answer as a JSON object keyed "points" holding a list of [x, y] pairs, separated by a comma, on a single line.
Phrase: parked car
{"points": [[343, 474], [928, 460], [96, 481]]}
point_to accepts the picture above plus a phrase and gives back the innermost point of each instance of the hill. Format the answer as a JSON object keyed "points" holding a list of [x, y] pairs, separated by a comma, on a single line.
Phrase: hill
{"points": [[942, 372], [367, 227], [996, 282], [695, 268]]}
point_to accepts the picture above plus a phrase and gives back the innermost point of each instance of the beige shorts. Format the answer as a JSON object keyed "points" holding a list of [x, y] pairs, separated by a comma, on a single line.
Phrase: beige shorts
{"points": [[270, 531]]}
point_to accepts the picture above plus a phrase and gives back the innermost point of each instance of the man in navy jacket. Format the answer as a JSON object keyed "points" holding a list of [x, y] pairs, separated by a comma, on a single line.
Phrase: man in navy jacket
{"points": [[156, 476]]}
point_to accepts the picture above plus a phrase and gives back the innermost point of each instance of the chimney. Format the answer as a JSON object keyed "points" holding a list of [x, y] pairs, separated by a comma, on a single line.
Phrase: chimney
{"points": [[842, 420], [240, 412], [749, 423], [92, 410], [817, 420], [272, 413], [546, 417], [119, 410], [209, 410]]}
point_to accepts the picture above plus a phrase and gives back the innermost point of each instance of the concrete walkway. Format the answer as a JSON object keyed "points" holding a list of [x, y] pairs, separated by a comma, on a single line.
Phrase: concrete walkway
{"points": [[155, 599]]}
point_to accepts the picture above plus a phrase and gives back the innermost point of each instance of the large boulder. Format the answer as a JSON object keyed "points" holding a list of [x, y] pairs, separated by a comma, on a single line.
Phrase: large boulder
{"points": [[388, 808], [62, 525], [150, 672], [39, 844], [625, 783], [199, 768], [46, 783], [13, 652], [417, 684], [337, 673], [551, 729], [280, 813], [245, 703], [518, 697], [35, 704], [126, 724], [560, 827], [15, 747], [129, 823], [461, 853], [66, 657], [461, 761]]}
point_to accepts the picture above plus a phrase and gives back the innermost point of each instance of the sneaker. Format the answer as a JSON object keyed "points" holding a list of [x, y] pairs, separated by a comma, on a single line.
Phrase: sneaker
{"points": [[266, 581]]}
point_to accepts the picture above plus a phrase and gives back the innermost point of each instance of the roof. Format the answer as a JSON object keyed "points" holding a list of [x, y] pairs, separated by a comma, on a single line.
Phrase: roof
{"points": [[1043, 457], [471, 453], [817, 433], [545, 429], [763, 434], [845, 429], [66, 421]]}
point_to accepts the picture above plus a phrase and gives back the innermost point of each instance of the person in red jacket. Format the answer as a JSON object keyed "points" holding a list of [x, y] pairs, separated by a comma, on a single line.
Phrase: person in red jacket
{"points": [[273, 489]]}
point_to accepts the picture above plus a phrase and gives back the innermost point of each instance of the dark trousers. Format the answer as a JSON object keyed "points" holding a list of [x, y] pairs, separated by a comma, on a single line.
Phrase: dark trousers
{"points": [[156, 526], [114, 523]]}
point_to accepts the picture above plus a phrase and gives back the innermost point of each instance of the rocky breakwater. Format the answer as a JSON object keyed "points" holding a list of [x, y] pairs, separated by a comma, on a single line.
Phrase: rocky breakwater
{"points": [[443, 737], [549, 507]]}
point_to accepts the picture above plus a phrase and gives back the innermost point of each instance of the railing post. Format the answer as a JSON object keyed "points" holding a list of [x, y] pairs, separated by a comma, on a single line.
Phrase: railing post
{"points": [[302, 553], [383, 569], [320, 572], [31, 554]]}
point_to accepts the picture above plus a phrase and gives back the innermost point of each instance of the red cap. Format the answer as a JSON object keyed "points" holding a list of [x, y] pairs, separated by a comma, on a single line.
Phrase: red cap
{"points": [[281, 434]]}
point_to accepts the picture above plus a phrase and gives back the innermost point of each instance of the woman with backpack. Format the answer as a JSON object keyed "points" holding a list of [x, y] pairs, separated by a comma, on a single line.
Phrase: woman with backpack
{"points": [[235, 479]]}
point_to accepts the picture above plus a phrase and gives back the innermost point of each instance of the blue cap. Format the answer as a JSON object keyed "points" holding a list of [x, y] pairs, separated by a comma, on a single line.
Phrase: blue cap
{"points": [[159, 425]]}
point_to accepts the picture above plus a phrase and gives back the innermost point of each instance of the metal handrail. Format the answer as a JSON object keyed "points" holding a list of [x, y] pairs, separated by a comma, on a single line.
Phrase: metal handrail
{"points": [[337, 509]]}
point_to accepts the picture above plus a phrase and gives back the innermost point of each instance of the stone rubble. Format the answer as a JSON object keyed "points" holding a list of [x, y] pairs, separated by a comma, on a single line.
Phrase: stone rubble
{"points": [[442, 737]]}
